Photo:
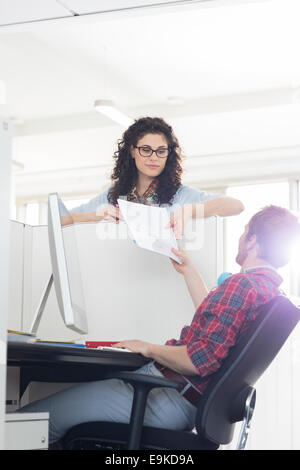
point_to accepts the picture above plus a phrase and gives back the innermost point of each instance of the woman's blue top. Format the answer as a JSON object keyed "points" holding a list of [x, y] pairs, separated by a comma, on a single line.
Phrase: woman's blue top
{"points": [[184, 195]]}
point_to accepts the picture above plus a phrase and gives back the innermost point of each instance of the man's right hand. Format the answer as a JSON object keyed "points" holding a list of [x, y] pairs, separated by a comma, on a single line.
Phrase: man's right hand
{"points": [[185, 260]]}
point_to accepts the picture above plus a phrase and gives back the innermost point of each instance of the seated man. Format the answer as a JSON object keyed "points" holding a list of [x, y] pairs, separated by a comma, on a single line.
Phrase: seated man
{"points": [[220, 318]]}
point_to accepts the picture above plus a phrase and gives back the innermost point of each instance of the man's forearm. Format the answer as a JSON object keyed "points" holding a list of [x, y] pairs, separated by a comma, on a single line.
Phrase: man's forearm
{"points": [[196, 286], [174, 357]]}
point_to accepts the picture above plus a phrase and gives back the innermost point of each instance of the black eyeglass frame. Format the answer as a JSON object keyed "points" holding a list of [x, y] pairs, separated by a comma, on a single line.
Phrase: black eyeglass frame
{"points": [[152, 150]]}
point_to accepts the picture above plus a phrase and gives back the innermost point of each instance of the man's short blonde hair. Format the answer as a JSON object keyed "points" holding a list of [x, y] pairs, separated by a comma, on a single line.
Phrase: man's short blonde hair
{"points": [[276, 230]]}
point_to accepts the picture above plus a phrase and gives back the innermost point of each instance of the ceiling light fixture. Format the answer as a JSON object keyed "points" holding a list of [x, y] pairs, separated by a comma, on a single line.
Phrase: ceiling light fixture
{"points": [[17, 165], [107, 108]]}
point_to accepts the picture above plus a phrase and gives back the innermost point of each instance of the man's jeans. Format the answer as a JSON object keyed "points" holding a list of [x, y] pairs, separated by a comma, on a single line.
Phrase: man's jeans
{"points": [[110, 400]]}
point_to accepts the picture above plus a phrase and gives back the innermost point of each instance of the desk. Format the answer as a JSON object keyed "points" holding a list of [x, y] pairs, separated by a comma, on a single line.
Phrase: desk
{"points": [[52, 363]]}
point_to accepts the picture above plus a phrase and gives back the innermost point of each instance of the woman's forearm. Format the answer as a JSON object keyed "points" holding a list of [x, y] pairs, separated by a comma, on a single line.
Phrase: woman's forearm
{"points": [[222, 206], [85, 217]]}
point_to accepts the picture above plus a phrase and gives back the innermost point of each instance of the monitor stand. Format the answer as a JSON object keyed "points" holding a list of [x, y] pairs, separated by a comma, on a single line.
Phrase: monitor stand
{"points": [[41, 307]]}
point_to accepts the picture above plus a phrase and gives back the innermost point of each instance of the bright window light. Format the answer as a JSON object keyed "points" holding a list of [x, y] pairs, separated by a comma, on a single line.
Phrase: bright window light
{"points": [[75, 202], [295, 265], [295, 250], [32, 214]]}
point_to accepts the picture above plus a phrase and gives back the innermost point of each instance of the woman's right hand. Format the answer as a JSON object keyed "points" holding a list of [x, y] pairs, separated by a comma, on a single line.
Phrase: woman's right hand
{"points": [[186, 262], [108, 213]]}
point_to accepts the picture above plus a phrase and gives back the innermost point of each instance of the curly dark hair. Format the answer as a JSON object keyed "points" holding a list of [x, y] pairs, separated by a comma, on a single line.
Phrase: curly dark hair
{"points": [[124, 175]]}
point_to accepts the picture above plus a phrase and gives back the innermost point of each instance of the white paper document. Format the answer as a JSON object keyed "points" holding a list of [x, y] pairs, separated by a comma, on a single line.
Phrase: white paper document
{"points": [[147, 226]]}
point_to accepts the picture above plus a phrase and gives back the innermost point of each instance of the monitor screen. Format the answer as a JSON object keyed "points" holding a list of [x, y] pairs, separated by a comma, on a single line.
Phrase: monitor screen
{"points": [[65, 265]]}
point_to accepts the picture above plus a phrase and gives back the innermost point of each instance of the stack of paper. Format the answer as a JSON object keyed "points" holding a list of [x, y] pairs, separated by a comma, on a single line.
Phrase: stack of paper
{"points": [[147, 226]]}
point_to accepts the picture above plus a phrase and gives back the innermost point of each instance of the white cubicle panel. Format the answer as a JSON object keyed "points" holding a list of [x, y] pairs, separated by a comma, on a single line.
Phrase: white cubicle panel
{"points": [[129, 292], [37, 270], [138, 294], [15, 285], [29, 269]]}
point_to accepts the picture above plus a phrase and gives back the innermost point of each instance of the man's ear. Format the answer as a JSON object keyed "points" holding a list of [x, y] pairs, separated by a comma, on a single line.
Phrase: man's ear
{"points": [[251, 242]]}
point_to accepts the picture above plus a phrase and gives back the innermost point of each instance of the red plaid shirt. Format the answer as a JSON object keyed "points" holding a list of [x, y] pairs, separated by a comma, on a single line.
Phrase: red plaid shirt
{"points": [[222, 316]]}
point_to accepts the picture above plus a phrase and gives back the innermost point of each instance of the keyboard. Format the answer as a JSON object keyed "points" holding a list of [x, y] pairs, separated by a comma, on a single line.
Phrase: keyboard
{"points": [[111, 348]]}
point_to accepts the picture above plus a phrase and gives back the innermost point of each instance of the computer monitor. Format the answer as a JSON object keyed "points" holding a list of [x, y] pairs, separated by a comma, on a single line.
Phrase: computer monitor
{"points": [[66, 273]]}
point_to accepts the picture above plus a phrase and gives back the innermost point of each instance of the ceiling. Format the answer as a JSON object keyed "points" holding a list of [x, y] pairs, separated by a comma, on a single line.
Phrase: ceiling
{"points": [[213, 60], [224, 73]]}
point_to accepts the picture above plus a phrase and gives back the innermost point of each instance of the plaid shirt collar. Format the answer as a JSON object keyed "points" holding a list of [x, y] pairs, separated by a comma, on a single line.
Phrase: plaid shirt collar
{"points": [[149, 196], [268, 271]]}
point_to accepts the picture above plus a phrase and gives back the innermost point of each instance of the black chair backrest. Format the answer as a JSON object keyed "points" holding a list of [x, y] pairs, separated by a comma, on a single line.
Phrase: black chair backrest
{"points": [[223, 401]]}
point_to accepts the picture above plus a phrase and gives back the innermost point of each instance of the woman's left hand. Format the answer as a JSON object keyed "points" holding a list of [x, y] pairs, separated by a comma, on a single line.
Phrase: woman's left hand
{"points": [[179, 220]]}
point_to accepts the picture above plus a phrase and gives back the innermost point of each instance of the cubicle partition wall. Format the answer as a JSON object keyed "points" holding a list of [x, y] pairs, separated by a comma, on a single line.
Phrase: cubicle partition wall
{"points": [[129, 292]]}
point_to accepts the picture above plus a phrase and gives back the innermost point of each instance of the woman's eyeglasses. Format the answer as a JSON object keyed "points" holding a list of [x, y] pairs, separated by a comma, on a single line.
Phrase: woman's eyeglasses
{"points": [[146, 151]]}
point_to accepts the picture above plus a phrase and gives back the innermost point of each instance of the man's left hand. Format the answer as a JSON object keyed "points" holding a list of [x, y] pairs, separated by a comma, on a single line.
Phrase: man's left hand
{"points": [[135, 345]]}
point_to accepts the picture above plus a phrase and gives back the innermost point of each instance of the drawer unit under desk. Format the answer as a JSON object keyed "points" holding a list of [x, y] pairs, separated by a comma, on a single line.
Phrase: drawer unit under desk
{"points": [[25, 431]]}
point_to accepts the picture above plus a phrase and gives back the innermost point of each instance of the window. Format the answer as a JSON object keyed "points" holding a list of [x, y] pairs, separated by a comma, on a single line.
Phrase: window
{"points": [[70, 203], [295, 268], [254, 198], [32, 214], [35, 213]]}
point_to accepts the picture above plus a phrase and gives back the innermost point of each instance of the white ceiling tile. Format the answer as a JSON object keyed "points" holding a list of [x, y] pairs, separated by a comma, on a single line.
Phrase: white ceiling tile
{"points": [[20, 11], [98, 6], [138, 62]]}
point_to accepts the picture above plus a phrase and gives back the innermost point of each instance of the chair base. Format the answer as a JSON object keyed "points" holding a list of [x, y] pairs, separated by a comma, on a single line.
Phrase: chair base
{"points": [[108, 436]]}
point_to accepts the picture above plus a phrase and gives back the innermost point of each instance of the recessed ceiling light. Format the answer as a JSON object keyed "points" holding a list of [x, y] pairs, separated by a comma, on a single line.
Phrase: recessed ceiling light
{"points": [[17, 165], [109, 110]]}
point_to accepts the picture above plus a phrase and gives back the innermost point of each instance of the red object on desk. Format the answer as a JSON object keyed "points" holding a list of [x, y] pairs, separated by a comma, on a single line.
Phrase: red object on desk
{"points": [[96, 344]]}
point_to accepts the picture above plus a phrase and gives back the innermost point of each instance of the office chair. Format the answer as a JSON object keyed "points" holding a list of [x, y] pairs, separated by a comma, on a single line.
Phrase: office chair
{"points": [[229, 397]]}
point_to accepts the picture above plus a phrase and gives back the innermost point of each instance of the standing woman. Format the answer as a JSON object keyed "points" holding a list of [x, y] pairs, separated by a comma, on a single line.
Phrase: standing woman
{"points": [[148, 171]]}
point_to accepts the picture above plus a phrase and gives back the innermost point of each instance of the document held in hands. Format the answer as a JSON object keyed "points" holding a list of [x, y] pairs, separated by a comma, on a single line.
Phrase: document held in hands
{"points": [[147, 226]]}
